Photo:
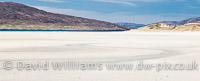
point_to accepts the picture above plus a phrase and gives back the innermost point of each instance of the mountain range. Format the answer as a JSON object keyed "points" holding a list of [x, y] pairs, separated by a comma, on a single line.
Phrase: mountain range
{"points": [[133, 25], [190, 20], [20, 16]]}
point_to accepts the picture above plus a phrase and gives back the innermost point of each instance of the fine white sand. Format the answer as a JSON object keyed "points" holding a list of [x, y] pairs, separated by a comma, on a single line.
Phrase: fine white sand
{"points": [[103, 47]]}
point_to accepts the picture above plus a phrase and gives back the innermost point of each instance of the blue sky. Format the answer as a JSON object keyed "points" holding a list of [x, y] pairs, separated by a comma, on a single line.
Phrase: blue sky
{"points": [[133, 11]]}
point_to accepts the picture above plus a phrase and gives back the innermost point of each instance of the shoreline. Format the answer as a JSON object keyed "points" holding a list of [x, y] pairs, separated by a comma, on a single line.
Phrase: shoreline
{"points": [[60, 30]]}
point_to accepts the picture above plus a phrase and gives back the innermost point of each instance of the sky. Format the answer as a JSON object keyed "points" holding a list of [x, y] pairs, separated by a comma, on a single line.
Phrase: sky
{"points": [[131, 11]]}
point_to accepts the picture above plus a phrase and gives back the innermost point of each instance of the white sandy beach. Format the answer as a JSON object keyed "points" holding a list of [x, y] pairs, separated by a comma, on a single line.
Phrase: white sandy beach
{"points": [[104, 47]]}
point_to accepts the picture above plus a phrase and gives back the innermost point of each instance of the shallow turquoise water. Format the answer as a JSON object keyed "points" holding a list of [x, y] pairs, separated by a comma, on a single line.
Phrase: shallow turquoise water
{"points": [[19, 30]]}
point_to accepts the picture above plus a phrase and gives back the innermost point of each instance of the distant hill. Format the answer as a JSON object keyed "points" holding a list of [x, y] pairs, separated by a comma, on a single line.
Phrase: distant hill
{"points": [[133, 25], [190, 20], [19, 16]]}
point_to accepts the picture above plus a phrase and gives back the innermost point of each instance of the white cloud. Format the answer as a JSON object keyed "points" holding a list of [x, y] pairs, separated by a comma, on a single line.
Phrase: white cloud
{"points": [[198, 0], [118, 17], [55, 1], [146, 0], [116, 1], [131, 2], [190, 6]]}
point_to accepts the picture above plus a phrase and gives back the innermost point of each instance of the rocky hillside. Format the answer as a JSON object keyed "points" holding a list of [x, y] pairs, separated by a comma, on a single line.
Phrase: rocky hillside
{"points": [[19, 16]]}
